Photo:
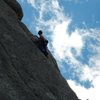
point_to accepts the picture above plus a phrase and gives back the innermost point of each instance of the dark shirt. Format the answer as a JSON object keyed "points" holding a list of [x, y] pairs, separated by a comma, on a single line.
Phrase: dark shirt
{"points": [[43, 41]]}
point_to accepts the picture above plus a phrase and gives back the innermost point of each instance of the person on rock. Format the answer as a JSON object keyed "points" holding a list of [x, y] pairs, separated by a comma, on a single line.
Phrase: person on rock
{"points": [[42, 43]]}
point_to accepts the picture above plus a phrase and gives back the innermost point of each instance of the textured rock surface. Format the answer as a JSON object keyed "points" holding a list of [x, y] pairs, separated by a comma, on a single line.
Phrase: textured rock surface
{"points": [[25, 73], [16, 7]]}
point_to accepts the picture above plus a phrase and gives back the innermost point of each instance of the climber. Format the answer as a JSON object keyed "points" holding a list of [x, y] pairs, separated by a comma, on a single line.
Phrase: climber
{"points": [[42, 43]]}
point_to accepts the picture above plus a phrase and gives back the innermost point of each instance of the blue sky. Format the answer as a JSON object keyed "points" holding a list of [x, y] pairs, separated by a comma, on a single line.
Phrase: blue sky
{"points": [[83, 11], [72, 28]]}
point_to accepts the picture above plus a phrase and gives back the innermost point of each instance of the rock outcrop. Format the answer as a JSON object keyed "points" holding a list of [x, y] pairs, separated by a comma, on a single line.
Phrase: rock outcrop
{"points": [[25, 73]]}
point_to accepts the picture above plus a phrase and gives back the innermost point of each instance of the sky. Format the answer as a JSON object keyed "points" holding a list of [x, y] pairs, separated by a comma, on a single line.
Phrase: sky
{"points": [[72, 28]]}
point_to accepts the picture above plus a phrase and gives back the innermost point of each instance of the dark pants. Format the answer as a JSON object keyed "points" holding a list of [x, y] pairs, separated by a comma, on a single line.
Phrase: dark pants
{"points": [[43, 48]]}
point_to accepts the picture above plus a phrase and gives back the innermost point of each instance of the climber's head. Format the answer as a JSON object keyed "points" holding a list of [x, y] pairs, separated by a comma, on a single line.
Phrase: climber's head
{"points": [[40, 32]]}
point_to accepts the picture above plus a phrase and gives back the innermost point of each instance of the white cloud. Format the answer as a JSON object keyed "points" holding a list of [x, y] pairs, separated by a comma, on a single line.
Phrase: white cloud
{"points": [[86, 71], [32, 2], [91, 71], [63, 42], [83, 93]]}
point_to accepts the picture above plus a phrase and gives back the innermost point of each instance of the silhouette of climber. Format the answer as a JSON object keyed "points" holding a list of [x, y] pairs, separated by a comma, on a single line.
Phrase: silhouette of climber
{"points": [[42, 43]]}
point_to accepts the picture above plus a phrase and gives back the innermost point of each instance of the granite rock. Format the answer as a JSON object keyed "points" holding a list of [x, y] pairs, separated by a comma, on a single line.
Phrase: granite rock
{"points": [[25, 73]]}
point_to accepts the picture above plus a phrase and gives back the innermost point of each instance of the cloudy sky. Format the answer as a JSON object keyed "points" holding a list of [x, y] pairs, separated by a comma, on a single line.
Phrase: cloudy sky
{"points": [[72, 28]]}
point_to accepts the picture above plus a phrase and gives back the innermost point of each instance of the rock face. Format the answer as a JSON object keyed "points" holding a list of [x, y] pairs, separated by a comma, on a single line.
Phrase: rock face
{"points": [[25, 73]]}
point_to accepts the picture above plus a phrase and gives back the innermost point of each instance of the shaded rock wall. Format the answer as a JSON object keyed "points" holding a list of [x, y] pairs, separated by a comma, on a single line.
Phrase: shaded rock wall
{"points": [[25, 73]]}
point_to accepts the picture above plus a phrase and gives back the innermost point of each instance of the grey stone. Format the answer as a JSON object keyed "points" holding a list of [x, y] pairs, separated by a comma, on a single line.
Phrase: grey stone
{"points": [[25, 73], [16, 7]]}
